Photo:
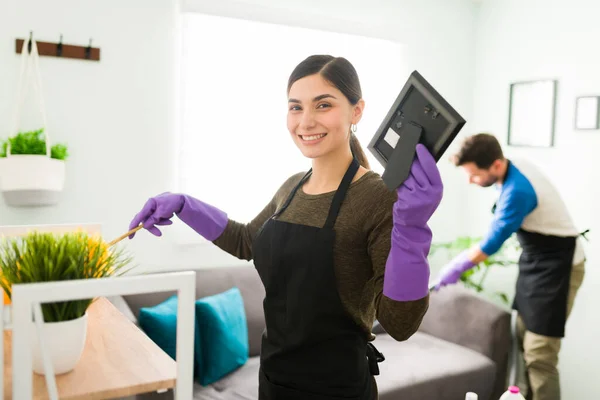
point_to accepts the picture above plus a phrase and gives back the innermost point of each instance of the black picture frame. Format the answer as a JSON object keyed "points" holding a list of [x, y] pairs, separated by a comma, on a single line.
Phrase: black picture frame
{"points": [[532, 113], [418, 115], [587, 113]]}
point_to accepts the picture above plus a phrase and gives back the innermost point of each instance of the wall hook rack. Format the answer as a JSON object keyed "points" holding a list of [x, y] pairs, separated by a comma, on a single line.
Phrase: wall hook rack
{"points": [[60, 49]]}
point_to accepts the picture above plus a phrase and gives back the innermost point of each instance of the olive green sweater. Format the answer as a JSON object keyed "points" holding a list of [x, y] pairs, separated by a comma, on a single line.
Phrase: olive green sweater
{"points": [[362, 243]]}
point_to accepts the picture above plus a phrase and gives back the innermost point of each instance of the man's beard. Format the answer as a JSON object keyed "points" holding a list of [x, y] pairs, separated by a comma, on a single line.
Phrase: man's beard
{"points": [[491, 180]]}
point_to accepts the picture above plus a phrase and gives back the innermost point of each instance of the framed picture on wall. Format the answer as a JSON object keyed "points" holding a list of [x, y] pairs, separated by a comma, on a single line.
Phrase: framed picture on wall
{"points": [[532, 113], [587, 112]]}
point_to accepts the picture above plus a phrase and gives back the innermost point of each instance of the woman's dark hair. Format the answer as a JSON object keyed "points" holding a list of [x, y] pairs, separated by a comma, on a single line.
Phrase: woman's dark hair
{"points": [[340, 73]]}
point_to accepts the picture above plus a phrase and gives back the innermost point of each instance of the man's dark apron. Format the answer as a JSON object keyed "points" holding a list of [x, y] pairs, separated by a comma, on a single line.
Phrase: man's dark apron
{"points": [[543, 282], [311, 349]]}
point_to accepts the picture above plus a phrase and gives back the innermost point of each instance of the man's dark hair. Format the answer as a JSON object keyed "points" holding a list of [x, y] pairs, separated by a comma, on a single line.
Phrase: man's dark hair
{"points": [[481, 149]]}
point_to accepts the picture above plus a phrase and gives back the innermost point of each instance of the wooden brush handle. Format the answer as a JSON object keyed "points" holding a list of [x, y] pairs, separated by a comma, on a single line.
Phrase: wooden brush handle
{"points": [[123, 236]]}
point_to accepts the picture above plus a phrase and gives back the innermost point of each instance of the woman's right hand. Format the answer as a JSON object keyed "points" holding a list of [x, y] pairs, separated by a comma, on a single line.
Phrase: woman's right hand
{"points": [[158, 210], [206, 220]]}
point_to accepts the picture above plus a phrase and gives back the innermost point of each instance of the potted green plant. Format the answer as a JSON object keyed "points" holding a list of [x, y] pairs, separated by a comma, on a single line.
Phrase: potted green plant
{"points": [[475, 278], [32, 172], [47, 257]]}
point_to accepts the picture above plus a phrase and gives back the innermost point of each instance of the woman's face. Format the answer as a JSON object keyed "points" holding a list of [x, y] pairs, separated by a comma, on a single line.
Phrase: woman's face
{"points": [[319, 116]]}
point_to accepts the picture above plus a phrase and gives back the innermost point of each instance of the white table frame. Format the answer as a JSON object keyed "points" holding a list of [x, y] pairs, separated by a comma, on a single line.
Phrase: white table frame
{"points": [[26, 302], [28, 297]]}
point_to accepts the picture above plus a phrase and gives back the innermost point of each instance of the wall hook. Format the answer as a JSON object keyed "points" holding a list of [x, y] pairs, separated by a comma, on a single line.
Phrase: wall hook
{"points": [[88, 50], [30, 40], [59, 46]]}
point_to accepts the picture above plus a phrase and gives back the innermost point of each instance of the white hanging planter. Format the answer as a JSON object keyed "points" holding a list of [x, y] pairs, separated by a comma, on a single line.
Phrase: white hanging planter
{"points": [[28, 180], [64, 342], [31, 180]]}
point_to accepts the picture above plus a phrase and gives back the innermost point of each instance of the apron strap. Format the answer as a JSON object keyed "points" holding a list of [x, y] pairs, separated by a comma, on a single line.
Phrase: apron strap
{"points": [[338, 198], [340, 194], [292, 193]]}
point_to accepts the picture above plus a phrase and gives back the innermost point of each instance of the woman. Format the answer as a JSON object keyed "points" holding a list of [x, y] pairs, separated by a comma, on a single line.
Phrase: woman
{"points": [[334, 248]]}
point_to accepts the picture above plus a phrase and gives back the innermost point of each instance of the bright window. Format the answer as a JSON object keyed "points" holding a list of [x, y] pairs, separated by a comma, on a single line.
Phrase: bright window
{"points": [[235, 150]]}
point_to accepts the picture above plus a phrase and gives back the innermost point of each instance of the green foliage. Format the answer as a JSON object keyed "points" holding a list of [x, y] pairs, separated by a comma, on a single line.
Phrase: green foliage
{"points": [[46, 257], [33, 142], [505, 257]]}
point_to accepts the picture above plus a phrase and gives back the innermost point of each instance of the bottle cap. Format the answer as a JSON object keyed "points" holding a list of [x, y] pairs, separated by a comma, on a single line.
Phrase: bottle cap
{"points": [[471, 396], [513, 389]]}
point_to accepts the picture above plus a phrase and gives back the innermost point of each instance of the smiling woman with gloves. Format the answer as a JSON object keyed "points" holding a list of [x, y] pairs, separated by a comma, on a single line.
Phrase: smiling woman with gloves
{"points": [[335, 249]]}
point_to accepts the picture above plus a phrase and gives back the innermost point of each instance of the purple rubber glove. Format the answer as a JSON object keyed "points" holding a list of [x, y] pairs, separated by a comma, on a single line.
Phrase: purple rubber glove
{"points": [[452, 271], [205, 219], [407, 269]]}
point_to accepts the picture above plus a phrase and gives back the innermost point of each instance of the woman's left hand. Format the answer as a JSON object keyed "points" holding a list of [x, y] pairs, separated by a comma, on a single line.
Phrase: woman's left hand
{"points": [[421, 193]]}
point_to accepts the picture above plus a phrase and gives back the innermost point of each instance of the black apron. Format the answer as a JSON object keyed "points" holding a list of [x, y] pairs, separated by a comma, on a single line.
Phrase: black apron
{"points": [[543, 282], [311, 348]]}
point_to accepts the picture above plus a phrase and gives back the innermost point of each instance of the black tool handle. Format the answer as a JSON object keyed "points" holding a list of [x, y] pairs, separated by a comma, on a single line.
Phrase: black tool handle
{"points": [[398, 165]]}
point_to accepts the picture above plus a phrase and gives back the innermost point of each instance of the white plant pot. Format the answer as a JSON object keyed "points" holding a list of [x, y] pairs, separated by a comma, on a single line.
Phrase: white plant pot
{"points": [[64, 342], [31, 180]]}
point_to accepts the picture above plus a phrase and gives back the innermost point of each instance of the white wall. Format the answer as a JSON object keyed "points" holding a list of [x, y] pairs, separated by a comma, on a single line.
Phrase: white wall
{"points": [[116, 115], [119, 116], [524, 40]]}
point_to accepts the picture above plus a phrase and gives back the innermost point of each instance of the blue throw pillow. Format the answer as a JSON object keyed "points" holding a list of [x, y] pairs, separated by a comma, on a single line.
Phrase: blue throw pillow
{"points": [[159, 322], [221, 320], [220, 333]]}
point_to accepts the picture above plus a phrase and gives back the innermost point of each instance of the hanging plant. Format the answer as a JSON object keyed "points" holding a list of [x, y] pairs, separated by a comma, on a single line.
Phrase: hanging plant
{"points": [[32, 170], [33, 142]]}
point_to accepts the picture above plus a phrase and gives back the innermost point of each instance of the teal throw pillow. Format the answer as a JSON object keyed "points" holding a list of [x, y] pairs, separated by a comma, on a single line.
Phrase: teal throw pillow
{"points": [[220, 333], [159, 322], [223, 333]]}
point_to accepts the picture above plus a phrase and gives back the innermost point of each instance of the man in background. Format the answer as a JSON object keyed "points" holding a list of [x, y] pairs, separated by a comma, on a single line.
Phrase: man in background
{"points": [[551, 265]]}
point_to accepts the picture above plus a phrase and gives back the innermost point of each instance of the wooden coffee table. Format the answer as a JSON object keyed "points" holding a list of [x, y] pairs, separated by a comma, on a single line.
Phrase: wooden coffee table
{"points": [[118, 360]]}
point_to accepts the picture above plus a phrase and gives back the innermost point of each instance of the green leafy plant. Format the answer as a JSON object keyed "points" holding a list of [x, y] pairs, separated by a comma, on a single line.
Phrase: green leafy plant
{"points": [[46, 257], [476, 276], [33, 142]]}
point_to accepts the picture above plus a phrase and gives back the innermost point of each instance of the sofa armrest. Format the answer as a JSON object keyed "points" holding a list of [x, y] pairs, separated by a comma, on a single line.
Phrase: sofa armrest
{"points": [[121, 305], [460, 316]]}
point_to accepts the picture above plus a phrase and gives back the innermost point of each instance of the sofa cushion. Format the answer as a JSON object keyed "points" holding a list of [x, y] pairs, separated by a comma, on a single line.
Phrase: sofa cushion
{"points": [[240, 384], [215, 280], [220, 333], [223, 335], [425, 367], [159, 322], [461, 316]]}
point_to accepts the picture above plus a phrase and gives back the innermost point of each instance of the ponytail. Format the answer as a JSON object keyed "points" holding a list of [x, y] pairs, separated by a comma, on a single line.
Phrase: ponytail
{"points": [[358, 152]]}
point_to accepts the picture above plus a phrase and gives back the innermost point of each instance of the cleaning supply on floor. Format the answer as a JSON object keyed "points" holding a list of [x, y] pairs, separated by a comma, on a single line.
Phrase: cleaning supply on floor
{"points": [[471, 396], [513, 393]]}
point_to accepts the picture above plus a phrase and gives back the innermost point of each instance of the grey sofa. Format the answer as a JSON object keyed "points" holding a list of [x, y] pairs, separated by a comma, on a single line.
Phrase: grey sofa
{"points": [[462, 345]]}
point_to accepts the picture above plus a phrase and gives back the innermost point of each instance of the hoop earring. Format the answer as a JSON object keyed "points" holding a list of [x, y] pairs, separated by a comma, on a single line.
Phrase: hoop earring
{"points": [[353, 128]]}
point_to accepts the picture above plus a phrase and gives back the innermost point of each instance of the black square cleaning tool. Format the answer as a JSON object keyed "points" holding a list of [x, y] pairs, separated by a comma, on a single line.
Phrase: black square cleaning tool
{"points": [[419, 115]]}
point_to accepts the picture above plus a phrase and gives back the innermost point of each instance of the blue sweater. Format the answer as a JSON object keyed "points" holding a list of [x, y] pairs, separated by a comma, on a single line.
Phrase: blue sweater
{"points": [[517, 200]]}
